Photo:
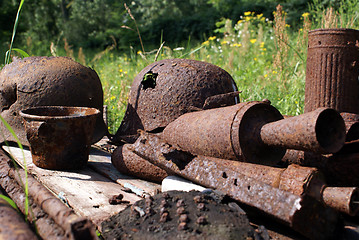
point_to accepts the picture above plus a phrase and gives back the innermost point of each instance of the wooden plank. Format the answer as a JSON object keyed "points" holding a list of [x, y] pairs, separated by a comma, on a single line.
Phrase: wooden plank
{"points": [[100, 161], [85, 190]]}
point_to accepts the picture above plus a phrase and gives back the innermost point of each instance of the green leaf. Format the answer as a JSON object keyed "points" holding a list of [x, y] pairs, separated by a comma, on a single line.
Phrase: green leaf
{"points": [[22, 52], [9, 201]]}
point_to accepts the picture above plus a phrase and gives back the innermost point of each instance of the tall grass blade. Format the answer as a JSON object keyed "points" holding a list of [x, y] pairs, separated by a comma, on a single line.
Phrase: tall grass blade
{"points": [[9, 201], [8, 53], [26, 185]]}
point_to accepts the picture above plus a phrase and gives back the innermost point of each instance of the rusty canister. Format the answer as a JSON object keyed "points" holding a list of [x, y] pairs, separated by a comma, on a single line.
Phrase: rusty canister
{"points": [[59, 137], [332, 70]]}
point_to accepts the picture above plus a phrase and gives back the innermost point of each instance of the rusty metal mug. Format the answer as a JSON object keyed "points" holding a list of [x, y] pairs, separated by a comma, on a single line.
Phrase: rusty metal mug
{"points": [[59, 137]]}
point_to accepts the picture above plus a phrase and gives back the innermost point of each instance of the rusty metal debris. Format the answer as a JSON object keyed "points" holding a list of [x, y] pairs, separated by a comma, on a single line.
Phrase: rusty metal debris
{"points": [[131, 164], [59, 137], [332, 70], [302, 213], [300, 180], [49, 211], [352, 125], [172, 88], [47, 81], [255, 132]]}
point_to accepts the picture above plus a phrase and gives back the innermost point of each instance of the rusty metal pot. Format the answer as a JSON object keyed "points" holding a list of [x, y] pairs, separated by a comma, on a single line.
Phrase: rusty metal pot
{"points": [[59, 137], [332, 70]]}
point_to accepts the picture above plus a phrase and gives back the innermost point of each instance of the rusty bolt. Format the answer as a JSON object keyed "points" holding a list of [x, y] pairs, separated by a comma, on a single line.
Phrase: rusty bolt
{"points": [[201, 207], [182, 226], [180, 210], [164, 217], [201, 220], [183, 218], [180, 203]]}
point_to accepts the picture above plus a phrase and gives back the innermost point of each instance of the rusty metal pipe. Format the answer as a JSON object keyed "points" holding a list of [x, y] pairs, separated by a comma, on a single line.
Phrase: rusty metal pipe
{"points": [[129, 163], [302, 213], [321, 131], [255, 132], [300, 180], [343, 199]]}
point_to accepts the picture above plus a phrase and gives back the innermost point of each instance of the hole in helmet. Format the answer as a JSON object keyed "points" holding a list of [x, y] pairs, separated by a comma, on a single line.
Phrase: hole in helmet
{"points": [[149, 80]]}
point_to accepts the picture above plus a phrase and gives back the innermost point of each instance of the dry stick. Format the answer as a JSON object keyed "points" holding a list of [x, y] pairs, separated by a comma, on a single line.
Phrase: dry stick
{"points": [[12, 224], [46, 227], [75, 227]]}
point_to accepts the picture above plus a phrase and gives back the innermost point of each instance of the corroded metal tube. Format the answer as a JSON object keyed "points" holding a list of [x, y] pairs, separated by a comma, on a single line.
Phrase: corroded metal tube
{"points": [[344, 199], [302, 213], [321, 131], [228, 132], [332, 70], [255, 132], [129, 163]]}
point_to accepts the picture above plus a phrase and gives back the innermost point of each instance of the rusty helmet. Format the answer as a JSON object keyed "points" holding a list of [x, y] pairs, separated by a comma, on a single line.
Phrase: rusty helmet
{"points": [[47, 81], [166, 89]]}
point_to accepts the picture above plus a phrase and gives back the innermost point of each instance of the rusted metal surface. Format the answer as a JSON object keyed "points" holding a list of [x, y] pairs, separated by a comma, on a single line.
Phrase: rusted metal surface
{"points": [[60, 137], [255, 132], [46, 227], [321, 131], [302, 213], [230, 132], [129, 163], [75, 227], [12, 224], [298, 180], [352, 125], [47, 81], [341, 169], [178, 86], [344, 199], [332, 70]]}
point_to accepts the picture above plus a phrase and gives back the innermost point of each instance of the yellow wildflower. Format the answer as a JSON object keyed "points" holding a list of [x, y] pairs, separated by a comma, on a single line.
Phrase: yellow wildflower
{"points": [[259, 16], [247, 13], [112, 97], [274, 72], [224, 42], [287, 25], [261, 45], [212, 38], [139, 52], [247, 19], [205, 43], [253, 40], [306, 14], [255, 59], [236, 45], [121, 70], [266, 75]]}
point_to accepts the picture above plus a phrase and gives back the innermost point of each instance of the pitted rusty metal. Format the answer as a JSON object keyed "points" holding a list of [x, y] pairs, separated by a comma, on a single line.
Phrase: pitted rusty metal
{"points": [[255, 132], [302, 213], [229, 132], [166, 89], [332, 70], [129, 163], [352, 125], [343, 199], [60, 137], [321, 131], [47, 81]]}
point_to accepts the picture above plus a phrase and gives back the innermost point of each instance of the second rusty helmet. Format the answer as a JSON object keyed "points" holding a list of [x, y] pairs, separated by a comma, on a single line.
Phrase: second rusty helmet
{"points": [[47, 81], [166, 89]]}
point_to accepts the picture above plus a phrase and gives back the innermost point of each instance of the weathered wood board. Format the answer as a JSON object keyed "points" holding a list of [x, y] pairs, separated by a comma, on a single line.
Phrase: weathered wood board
{"points": [[100, 161], [85, 190]]}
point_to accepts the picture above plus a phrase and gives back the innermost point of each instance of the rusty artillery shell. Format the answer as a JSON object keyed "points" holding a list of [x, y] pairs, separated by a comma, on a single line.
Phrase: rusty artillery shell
{"points": [[227, 132], [299, 180], [302, 213], [344, 199], [129, 163], [332, 70], [254, 132], [321, 131]]}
